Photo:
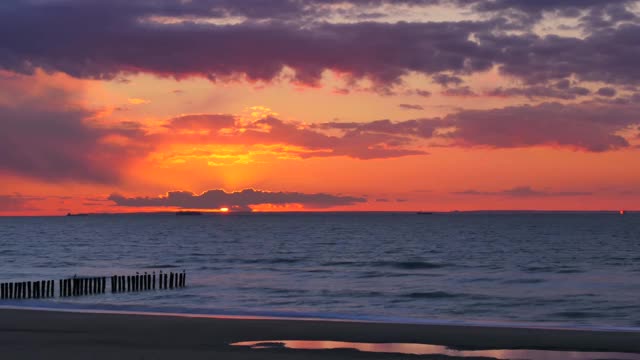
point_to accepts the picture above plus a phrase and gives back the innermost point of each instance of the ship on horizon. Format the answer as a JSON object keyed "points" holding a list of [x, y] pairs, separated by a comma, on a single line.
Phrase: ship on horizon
{"points": [[188, 213]]}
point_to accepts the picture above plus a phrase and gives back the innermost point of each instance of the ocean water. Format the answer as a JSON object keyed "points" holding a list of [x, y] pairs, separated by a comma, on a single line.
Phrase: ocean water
{"points": [[555, 269]]}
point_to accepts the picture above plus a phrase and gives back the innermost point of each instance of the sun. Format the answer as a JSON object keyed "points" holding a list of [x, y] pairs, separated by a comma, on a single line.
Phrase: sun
{"points": [[224, 209]]}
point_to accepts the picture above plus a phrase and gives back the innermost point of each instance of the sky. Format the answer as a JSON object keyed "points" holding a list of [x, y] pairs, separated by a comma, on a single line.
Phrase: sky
{"points": [[326, 105]]}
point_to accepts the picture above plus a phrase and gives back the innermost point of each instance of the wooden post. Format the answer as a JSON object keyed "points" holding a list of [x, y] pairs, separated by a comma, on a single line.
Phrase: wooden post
{"points": [[160, 280], [146, 281], [153, 281], [166, 281]]}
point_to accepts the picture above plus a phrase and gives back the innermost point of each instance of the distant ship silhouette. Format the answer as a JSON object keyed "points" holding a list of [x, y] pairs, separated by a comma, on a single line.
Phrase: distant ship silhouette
{"points": [[182, 213], [83, 214], [424, 213]]}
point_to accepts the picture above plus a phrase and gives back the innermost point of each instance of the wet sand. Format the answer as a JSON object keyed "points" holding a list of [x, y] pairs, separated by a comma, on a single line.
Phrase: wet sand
{"points": [[28, 334]]}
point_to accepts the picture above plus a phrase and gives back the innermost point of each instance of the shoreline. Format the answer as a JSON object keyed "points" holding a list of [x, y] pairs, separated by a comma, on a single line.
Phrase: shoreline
{"points": [[364, 319], [64, 335]]}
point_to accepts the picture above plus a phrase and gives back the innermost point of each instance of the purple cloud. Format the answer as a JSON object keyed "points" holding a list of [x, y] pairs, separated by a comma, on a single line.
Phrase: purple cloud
{"points": [[411, 106], [44, 135]]}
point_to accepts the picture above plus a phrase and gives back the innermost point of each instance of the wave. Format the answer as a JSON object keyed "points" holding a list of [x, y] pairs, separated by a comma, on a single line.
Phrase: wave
{"points": [[274, 261], [578, 314], [524, 281], [432, 295], [410, 265]]}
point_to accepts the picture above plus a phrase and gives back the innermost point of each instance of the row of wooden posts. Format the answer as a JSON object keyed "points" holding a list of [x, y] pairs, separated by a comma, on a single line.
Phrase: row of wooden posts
{"points": [[27, 290], [80, 286]]}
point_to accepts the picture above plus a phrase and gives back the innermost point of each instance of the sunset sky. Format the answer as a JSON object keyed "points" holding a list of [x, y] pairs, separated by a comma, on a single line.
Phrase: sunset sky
{"points": [[128, 106]]}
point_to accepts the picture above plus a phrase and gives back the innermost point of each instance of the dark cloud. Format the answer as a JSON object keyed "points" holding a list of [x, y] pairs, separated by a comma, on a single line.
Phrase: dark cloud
{"points": [[411, 106], [606, 56], [524, 191], [607, 92], [586, 126], [446, 80], [241, 200], [463, 91], [541, 91], [16, 202], [104, 40], [95, 40], [44, 135], [423, 93]]}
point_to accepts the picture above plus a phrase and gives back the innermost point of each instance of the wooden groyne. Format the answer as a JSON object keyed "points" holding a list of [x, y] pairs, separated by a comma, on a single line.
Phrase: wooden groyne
{"points": [[83, 286]]}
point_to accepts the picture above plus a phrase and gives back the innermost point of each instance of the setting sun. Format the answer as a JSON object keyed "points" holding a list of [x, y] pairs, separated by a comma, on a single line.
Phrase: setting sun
{"points": [[224, 209]]}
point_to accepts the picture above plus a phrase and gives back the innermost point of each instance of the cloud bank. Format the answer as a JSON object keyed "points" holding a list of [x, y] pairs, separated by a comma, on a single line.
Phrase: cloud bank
{"points": [[239, 201]]}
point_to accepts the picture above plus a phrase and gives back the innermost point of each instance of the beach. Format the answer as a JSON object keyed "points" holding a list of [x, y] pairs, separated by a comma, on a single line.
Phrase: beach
{"points": [[31, 334]]}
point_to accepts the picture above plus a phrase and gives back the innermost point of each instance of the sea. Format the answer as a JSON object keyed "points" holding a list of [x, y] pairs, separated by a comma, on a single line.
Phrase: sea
{"points": [[573, 270]]}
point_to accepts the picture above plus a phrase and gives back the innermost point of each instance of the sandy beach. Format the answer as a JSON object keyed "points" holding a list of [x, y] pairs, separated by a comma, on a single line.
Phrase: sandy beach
{"points": [[29, 334]]}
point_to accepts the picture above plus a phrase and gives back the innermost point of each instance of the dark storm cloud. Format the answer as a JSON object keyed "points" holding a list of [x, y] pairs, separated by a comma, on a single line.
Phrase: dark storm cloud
{"points": [[214, 199], [523, 191]]}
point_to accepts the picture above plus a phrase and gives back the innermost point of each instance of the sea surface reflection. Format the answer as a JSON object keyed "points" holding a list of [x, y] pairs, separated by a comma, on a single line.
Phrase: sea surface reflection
{"points": [[426, 349]]}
